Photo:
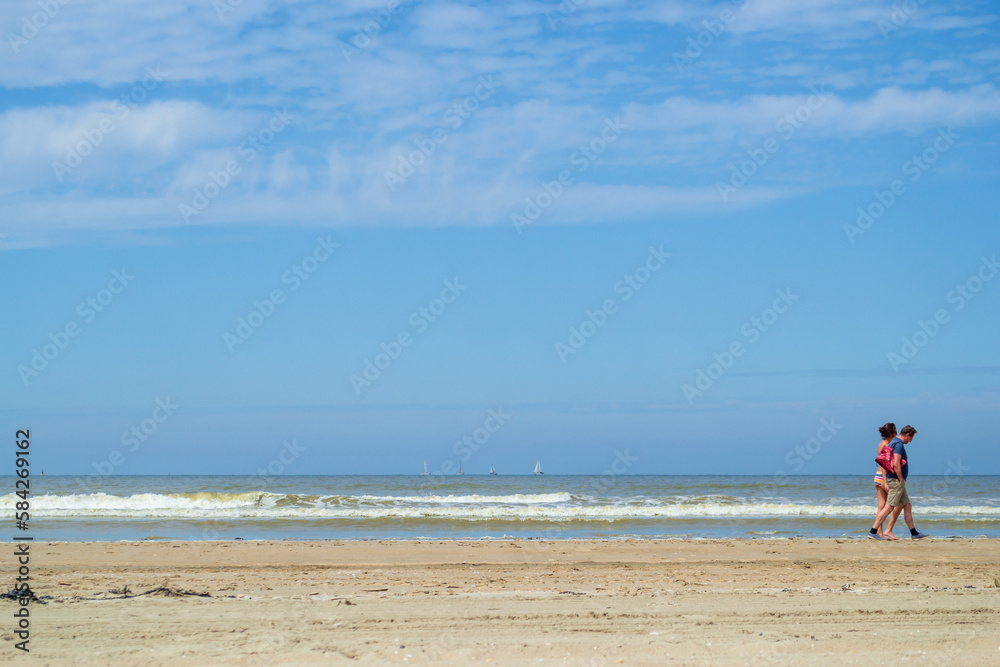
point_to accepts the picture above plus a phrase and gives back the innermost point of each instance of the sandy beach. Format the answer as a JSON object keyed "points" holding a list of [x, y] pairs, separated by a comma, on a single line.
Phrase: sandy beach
{"points": [[516, 602]]}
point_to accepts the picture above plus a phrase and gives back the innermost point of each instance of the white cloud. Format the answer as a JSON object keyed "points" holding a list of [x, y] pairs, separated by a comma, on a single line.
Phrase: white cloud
{"points": [[558, 85], [107, 138], [285, 173], [894, 109], [888, 110]]}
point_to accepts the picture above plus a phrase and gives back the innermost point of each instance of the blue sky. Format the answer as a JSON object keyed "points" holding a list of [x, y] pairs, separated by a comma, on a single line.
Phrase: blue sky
{"points": [[572, 214]]}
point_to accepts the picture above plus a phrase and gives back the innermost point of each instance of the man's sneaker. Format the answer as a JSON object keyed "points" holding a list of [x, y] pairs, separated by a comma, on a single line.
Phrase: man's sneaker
{"points": [[919, 536], [874, 536]]}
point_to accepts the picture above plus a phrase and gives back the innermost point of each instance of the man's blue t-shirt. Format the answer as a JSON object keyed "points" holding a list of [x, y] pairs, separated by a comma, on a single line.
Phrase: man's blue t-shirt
{"points": [[899, 448]]}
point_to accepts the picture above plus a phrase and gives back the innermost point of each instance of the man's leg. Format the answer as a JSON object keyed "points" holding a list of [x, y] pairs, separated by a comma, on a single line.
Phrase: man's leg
{"points": [[893, 502], [908, 515], [893, 517]]}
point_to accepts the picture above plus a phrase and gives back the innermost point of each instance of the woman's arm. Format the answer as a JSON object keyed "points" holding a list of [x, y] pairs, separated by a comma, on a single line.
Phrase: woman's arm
{"points": [[881, 470]]}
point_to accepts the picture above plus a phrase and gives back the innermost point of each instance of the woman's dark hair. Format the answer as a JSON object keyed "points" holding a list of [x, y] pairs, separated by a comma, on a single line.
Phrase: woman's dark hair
{"points": [[888, 430]]}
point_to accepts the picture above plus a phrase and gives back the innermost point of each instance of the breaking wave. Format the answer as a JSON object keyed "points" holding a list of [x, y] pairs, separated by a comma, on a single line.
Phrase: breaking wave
{"points": [[558, 506]]}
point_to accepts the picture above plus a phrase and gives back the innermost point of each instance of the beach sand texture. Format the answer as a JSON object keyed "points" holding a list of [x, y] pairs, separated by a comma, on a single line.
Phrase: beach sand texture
{"points": [[635, 602]]}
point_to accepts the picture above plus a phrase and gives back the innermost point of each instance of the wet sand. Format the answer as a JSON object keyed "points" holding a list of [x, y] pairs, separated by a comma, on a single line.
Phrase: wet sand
{"points": [[638, 602]]}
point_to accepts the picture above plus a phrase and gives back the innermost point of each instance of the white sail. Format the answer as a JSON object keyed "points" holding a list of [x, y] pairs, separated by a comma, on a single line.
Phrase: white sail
{"points": [[538, 468], [493, 470], [425, 469], [459, 469]]}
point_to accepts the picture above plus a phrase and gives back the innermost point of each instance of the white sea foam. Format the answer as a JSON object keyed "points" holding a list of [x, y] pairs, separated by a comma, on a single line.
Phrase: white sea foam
{"points": [[101, 502], [516, 499], [518, 507]]}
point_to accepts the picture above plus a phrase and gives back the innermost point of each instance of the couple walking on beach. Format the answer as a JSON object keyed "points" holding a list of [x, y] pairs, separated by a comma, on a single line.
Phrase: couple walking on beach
{"points": [[890, 484]]}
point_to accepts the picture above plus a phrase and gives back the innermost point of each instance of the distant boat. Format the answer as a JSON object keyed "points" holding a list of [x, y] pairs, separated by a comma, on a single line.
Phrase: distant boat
{"points": [[538, 468], [425, 469], [493, 470], [459, 469]]}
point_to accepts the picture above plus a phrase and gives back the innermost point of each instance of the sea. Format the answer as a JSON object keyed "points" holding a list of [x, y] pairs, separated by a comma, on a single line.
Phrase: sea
{"points": [[66, 508]]}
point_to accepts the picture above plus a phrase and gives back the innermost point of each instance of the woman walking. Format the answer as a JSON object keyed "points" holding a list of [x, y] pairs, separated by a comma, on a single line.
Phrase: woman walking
{"points": [[888, 432]]}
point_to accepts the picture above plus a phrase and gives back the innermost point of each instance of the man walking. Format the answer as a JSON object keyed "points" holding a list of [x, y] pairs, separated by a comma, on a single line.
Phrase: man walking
{"points": [[897, 486]]}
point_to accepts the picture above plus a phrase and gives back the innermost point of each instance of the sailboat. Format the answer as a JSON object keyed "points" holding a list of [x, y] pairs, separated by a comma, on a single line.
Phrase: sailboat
{"points": [[493, 470], [538, 468], [425, 469], [459, 469]]}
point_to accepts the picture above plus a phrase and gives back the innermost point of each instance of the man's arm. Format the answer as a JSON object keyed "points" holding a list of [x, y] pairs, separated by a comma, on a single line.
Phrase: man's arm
{"points": [[897, 466]]}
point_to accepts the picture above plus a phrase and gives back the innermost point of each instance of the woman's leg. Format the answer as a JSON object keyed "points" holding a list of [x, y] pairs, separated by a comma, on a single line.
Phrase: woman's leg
{"points": [[881, 493], [880, 517]]}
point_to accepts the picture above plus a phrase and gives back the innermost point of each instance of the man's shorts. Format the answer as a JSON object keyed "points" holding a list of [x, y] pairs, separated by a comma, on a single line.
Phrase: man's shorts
{"points": [[897, 494]]}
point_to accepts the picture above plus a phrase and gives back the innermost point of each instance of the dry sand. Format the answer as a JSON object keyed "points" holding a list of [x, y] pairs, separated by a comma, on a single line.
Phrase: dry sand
{"points": [[789, 602]]}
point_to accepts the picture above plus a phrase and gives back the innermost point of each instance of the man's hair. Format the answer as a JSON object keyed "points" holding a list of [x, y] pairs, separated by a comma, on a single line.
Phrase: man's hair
{"points": [[908, 430]]}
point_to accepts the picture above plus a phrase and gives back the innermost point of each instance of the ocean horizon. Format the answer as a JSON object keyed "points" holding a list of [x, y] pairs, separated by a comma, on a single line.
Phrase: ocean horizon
{"points": [[478, 506]]}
